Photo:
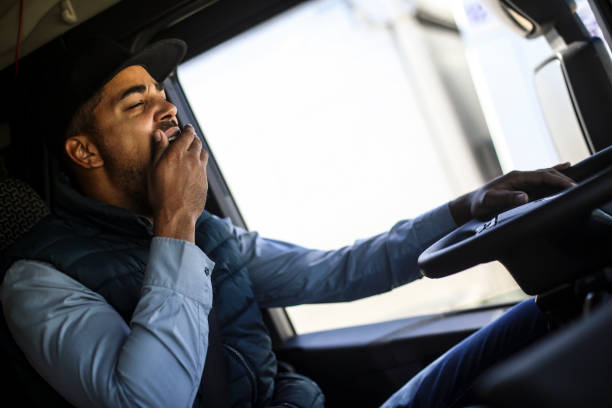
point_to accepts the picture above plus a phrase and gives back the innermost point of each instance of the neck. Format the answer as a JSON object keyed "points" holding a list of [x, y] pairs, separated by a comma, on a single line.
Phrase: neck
{"points": [[97, 185]]}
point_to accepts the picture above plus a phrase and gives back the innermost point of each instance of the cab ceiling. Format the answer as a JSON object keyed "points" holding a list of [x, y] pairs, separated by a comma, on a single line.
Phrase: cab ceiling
{"points": [[43, 20]]}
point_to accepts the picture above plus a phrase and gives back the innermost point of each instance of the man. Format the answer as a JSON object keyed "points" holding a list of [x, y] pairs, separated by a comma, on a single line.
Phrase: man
{"points": [[110, 298]]}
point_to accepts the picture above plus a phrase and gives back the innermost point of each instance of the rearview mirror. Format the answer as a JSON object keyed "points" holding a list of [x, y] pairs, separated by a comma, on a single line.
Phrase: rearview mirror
{"points": [[585, 69], [531, 19]]}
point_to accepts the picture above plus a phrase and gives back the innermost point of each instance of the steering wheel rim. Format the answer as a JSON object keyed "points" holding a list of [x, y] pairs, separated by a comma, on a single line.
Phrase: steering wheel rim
{"points": [[479, 242]]}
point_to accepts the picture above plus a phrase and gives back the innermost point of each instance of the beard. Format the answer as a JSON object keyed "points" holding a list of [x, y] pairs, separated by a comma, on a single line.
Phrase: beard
{"points": [[130, 176]]}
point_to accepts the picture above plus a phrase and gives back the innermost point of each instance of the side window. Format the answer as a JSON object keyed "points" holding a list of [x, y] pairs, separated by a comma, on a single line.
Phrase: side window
{"points": [[334, 120]]}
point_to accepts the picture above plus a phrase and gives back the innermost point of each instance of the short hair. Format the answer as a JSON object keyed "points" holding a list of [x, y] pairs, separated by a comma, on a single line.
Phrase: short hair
{"points": [[84, 120]]}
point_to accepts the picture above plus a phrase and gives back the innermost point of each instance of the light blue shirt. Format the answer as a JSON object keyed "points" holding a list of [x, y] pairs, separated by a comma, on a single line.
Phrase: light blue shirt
{"points": [[81, 346]]}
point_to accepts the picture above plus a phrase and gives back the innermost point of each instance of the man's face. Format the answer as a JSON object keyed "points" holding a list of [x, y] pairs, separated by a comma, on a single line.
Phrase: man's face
{"points": [[132, 107]]}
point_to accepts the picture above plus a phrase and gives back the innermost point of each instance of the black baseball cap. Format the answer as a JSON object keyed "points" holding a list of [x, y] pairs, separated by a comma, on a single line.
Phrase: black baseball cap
{"points": [[86, 69]]}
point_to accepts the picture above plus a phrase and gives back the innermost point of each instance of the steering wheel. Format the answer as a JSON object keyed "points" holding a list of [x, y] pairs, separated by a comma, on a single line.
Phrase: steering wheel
{"points": [[529, 238]]}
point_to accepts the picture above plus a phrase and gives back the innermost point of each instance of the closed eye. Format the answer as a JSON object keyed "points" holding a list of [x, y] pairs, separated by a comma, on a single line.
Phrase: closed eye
{"points": [[135, 105]]}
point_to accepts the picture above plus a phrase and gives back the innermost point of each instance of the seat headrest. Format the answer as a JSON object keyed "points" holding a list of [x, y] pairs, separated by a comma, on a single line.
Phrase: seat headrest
{"points": [[20, 209]]}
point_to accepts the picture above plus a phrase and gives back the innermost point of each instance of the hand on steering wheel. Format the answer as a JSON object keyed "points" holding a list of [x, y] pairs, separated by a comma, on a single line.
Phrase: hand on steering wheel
{"points": [[508, 191], [529, 240]]}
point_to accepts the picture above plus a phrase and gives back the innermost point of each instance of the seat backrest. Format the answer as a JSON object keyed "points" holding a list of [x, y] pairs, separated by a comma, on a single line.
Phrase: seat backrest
{"points": [[20, 209]]}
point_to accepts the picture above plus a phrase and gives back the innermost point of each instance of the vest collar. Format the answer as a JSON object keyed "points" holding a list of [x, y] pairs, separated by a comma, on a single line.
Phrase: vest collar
{"points": [[74, 207]]}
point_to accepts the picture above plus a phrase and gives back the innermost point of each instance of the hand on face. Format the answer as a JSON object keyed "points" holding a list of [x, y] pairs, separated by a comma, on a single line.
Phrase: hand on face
{"points": [[510, 190], [177, 183]]}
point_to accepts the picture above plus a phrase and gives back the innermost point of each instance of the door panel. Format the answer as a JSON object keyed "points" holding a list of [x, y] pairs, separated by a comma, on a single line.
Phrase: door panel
{"points": [[364, 365]]}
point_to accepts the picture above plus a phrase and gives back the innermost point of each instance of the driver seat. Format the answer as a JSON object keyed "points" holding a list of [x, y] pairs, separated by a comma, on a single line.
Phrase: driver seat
{"points": [[20, 209]]}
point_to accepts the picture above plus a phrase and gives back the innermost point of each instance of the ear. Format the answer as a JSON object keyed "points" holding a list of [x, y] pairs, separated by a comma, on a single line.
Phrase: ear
{"points": [[83, 152]]}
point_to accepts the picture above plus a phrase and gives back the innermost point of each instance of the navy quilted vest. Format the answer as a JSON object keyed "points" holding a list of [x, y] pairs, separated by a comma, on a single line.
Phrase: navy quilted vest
{"points": [[106, 249]]}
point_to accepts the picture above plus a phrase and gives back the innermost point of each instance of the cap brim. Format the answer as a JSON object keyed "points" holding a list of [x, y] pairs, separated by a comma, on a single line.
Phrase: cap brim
{"points": [[159, 59]]}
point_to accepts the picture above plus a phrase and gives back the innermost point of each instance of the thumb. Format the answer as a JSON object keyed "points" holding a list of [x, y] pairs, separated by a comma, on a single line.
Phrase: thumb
{"points": [[160, 143], [562, 166], [496, 201]]}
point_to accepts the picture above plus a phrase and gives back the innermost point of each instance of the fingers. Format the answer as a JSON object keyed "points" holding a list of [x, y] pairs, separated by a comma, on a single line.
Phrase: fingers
{"points": [[517, 188], [188, 140], [496, 201], [185, 138], [504, 199], [555, 171], [160, 143], [204, 156], [562, 166], [553, 176], [196, 144], [177, 181], [546, 177]]}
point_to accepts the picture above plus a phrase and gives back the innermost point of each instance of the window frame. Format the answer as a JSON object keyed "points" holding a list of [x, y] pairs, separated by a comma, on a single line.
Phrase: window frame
{"points": [[220, 200]]}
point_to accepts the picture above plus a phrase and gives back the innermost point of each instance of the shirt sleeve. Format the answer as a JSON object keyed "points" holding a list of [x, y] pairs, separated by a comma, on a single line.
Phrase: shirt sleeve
{"points": [[81, 346], [284, 274]]}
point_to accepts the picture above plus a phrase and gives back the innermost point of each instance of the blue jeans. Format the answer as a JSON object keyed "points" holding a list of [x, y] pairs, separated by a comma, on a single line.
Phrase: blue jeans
{"points": [[448, 381]]}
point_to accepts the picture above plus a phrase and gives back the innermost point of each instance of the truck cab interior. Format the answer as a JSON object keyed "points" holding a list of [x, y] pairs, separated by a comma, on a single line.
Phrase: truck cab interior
{"points": [[556, 248]]}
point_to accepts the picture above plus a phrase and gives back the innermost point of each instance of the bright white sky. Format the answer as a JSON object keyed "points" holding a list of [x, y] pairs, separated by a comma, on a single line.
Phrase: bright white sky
{"points": [[315, 125], [312, 119]]}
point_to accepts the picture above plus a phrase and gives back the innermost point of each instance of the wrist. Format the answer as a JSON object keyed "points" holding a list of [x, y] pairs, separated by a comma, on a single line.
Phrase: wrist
{"points": [[460, 209], [175, 225]]}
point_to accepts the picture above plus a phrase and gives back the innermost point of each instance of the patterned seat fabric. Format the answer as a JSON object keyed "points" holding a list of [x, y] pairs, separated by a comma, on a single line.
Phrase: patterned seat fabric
{"points": [[20, 209]]}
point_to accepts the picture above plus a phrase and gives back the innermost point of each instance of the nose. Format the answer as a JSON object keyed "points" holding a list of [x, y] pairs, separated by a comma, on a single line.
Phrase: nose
{"points": [[165, 111]]}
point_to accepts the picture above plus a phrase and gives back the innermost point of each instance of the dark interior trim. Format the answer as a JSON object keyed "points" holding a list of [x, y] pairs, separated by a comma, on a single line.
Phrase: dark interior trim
{"points": [[220, 202], [396, 330], [224, 20], [362, 366]]}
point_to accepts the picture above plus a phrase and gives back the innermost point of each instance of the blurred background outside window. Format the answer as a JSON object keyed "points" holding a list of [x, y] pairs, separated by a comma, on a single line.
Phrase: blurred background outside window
{"points": [[337, 118]]}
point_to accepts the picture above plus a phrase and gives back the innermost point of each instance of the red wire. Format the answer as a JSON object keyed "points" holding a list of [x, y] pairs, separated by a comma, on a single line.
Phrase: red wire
{"points": [[19, 39]]}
